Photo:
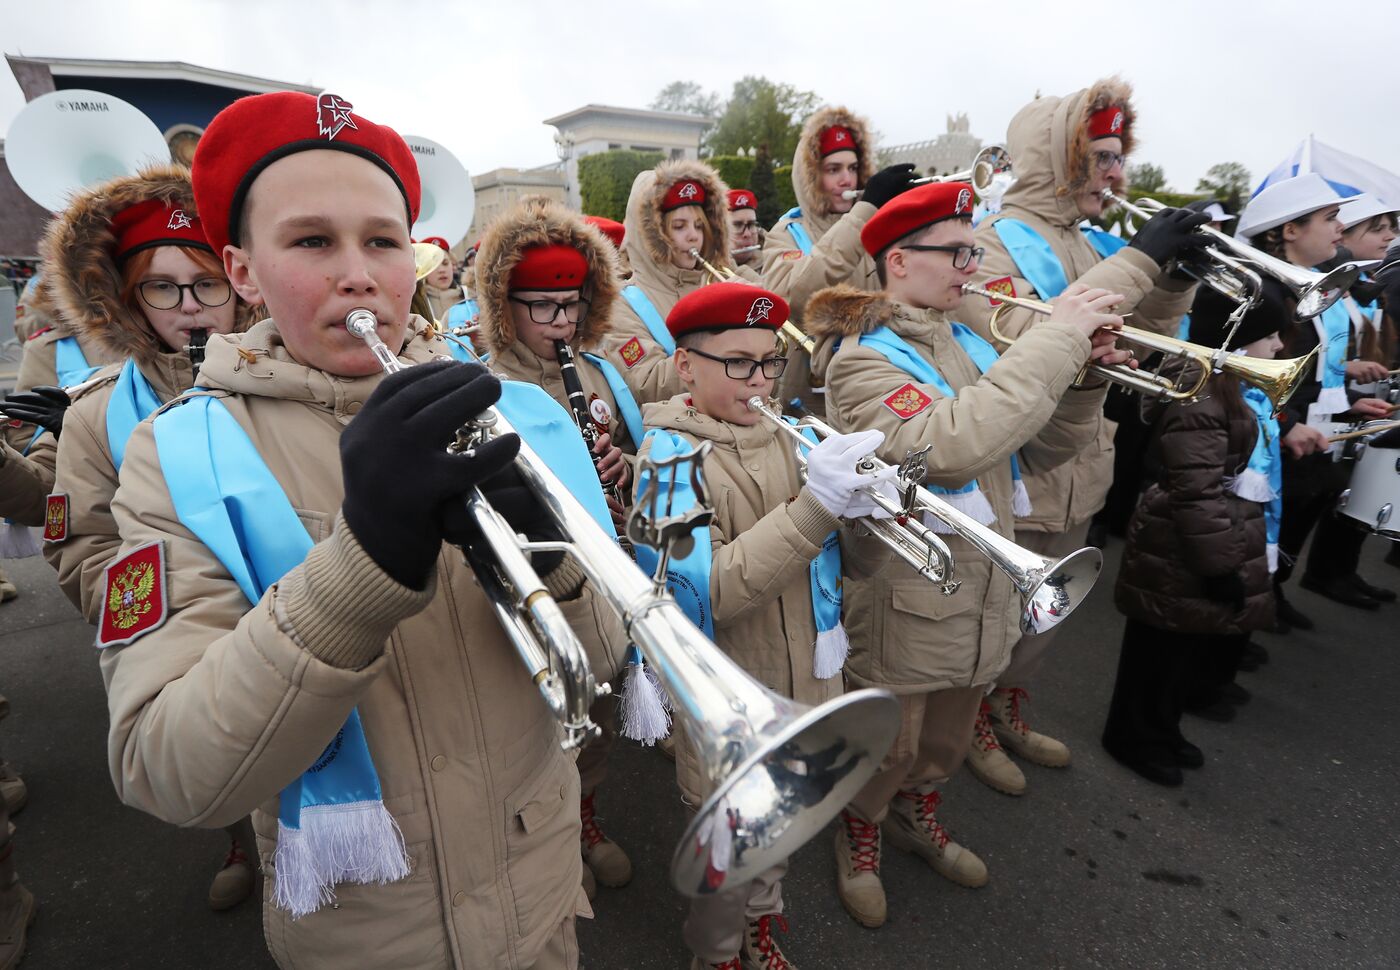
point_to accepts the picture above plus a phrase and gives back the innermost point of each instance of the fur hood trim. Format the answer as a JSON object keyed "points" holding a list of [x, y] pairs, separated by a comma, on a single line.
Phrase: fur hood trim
{"points": [[81, 280], [844, 311], [807, 160], [538, 221], [645, 239]]}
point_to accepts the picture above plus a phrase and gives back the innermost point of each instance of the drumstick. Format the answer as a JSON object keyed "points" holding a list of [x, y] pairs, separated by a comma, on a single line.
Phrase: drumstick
{"points": [[1362, 432]]}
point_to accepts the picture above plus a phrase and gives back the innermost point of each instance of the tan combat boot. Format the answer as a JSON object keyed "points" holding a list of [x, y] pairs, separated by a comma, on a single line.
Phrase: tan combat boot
{"points": [[912, 826], [17, 910], [12, 788], [988, 763], [858, 870], [1016, 735], [602, 855], [234, 882], [8, 590], [761, 951]]}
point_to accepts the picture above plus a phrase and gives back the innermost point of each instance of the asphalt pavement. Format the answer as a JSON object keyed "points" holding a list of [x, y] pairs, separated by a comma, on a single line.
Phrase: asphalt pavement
{"points": [[1282, 852]]}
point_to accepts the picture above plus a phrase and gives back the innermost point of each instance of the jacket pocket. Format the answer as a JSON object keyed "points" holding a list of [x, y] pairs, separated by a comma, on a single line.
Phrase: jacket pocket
{"points": [[929, 638], [542, 857]]}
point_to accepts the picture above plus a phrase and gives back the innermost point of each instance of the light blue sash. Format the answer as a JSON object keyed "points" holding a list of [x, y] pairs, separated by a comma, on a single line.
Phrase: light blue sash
{"points": [[626, 402], [689, 578], [133, 401], [1262, 479], [70, 363], [970, 498], [797, 231], [462, 314], [332, 823], [641, 304], [1333, 327]]}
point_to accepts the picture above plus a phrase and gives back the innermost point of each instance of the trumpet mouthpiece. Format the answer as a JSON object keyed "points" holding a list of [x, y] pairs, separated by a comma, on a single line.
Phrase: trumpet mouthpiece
{"points": [[756, 403], [361, 322]]}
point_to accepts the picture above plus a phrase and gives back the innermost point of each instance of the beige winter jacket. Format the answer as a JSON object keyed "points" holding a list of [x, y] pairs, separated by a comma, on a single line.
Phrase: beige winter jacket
{"points": [[1048, 141], [766, 532], [221, 706], [905, 634], [38, 368], [645, 366]]}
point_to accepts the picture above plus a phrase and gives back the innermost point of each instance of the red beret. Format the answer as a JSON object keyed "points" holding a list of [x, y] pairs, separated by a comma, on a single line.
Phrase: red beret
{"points": [[742, 199], [155, 223], [684, 192], [726, 306], [611, 228], [910, 211], [256, 131], [553, 267], [837, 139], [1108, 122], [439, 242]]}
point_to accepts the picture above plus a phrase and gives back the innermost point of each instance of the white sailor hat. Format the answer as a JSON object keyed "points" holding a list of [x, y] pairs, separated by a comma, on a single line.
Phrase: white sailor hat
{"points": [[1217, 213], [1284, 201], [1360, 208]]}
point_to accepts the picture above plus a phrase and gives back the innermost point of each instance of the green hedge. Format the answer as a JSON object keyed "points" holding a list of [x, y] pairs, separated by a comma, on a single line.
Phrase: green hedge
{"points": [[605, 180], [782, 183], [1175, 199], [736, 170]]}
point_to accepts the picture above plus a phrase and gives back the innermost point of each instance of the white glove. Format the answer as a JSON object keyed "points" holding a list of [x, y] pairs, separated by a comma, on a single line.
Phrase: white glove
{"points": [[833, 479]]}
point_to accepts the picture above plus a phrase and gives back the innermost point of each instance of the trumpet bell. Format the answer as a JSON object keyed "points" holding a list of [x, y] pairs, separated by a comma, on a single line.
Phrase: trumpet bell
{"points": [[1276, 378], [992, 167], [67, 140], [798, 770], [1061, 587]]}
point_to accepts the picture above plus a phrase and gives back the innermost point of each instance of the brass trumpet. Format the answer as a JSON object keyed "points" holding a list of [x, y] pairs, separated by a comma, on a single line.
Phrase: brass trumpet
{"points": [[1050, 589], [727, 275], [1234, 267], [1276, 378], [991, 162], [779, 770]]}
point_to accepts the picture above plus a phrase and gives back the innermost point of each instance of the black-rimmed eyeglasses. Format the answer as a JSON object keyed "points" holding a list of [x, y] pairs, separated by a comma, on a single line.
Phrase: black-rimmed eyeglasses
{"points": [[742, 368], [962, 255], [545, 312], [211, 291]]}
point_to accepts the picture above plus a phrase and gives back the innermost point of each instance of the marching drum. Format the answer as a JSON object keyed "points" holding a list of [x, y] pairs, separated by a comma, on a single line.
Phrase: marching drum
{"points": [[1374, 493]]}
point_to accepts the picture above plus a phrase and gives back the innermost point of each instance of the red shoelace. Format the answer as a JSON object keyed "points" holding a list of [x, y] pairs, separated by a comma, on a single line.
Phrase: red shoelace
{"points": [[236, 856], [864, 840], [592, 834], [728, 965], [927, 805], [982, 734], [1013, 710], [773, 958]]}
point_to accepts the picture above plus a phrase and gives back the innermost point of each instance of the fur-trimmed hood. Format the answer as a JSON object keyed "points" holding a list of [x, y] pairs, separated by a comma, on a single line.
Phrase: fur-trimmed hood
{"points": [[842, 311], [1049, 144], [538, 221], [645, 240], [807, 160], [82, 282]]}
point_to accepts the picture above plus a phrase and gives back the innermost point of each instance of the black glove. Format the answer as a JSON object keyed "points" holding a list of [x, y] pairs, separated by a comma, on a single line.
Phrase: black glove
{"points": [[399, 478], [1226, 588], [1170, 232], [43, 406], [888, 183], [508, 494]]}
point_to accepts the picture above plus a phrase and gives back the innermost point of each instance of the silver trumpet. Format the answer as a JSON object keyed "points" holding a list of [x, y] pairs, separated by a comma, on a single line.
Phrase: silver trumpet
{"points": [[1050, 590], [991, 163], [745, 250], [1234, 266], [723, 274], [779, 770]]}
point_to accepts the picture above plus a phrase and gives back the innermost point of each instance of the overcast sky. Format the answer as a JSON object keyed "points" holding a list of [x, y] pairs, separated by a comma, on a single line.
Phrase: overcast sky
{"points": [[1215, 81]]}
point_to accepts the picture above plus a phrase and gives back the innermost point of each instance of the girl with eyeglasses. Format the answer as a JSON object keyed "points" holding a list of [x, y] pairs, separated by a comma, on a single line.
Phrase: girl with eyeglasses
{"points": [[128, 269]]}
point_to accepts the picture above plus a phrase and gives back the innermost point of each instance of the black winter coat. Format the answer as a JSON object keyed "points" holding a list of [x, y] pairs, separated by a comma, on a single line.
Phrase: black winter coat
{"points": [[1190, 528]]}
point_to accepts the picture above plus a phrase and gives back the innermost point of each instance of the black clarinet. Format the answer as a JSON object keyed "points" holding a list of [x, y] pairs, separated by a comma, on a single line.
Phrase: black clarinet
{"points": [[573, 387], [198, 338]]}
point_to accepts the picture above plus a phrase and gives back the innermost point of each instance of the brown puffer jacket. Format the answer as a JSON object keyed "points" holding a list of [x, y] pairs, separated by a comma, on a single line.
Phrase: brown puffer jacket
{"points": [[1190, 526], [645, 367]]}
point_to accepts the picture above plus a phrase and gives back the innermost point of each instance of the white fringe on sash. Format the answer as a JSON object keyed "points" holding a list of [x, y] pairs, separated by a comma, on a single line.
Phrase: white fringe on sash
{"points": [[830, 651], [971, 503], [1271, 551], [1251, 484], [1020, 499], [358, 842], [18, 541], [645, 707]]}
